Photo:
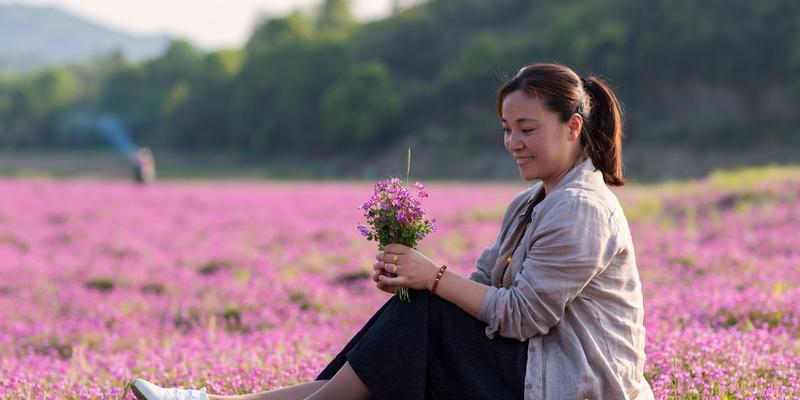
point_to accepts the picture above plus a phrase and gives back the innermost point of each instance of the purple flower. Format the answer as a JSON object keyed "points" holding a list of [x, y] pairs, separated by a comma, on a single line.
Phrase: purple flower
{"points": [[395, 214]]}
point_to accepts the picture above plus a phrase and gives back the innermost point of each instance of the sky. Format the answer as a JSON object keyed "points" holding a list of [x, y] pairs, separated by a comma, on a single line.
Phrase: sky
{"points": [[210, 24]]}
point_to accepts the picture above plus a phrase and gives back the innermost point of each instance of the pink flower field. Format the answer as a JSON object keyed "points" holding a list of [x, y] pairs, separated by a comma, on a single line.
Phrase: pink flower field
{"points": [[249, 286]]}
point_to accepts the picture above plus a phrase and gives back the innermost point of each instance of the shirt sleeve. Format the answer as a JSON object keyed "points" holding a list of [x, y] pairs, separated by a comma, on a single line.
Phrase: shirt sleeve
{"points": [[574, 242]]}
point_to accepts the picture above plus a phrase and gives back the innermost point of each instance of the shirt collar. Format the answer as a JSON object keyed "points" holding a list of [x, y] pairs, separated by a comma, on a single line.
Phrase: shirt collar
{"points": [[586, 167]]}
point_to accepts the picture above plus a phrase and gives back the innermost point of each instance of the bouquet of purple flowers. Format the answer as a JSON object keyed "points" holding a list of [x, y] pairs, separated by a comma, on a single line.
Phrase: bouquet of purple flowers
{"points": [[394, 215]]}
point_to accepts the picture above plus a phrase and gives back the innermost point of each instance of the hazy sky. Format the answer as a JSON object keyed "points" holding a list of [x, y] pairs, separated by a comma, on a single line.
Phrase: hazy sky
{"points": [[207, 23]]}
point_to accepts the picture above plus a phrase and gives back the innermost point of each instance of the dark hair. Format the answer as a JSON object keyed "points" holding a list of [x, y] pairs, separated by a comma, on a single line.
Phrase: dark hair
{"points": [[566, 93]]}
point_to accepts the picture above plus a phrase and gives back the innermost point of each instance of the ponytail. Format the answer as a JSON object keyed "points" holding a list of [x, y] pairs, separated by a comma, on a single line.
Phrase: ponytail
{"points": [[602, 130], [565, 93]]}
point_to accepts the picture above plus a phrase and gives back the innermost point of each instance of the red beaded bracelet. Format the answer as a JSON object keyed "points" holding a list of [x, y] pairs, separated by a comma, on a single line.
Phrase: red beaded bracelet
{"points": [[438, 276]]}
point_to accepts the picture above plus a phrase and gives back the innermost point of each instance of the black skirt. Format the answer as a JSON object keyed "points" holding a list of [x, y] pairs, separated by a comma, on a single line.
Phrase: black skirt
{"points": [[432, 349]]}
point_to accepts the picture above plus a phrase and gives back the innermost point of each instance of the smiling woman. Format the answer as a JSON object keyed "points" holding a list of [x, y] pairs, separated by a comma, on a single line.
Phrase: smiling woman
{"points": [[553, 118], [554, 307]]}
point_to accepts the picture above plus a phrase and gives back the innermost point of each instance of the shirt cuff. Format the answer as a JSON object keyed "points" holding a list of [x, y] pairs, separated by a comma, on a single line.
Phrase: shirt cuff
{"points": [[488, 309]]}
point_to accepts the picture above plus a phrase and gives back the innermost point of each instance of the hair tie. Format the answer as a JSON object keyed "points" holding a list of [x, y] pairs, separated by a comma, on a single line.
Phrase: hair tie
{"points": [[586, 85], [520, 72]]}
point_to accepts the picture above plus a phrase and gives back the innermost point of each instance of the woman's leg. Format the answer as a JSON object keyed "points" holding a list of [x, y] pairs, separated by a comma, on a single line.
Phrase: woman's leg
{"points": [[295, 392], [345, 385]]}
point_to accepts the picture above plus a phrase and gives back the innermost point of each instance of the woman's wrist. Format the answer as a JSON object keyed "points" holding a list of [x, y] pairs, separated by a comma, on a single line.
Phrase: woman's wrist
{"points": [[432, 276], [437, 279]]}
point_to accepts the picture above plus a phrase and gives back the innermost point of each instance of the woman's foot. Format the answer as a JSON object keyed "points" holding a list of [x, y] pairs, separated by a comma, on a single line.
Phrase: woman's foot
{"points": [[145, 390]]}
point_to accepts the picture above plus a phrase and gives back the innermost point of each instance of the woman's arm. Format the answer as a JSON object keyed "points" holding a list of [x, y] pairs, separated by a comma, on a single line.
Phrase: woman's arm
{"points": [[463, 292], [416, 271], [575, 241]]}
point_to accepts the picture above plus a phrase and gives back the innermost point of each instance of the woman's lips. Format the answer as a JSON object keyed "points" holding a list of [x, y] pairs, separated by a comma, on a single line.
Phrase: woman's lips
{"points": [[523, 160]]}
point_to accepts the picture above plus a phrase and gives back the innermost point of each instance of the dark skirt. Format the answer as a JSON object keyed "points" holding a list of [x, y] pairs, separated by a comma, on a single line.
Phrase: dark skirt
{"points": [[431, 349]]}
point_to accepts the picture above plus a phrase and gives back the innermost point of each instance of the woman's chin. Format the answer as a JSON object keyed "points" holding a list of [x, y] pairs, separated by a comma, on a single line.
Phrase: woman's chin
{"points": [[527, 175]]}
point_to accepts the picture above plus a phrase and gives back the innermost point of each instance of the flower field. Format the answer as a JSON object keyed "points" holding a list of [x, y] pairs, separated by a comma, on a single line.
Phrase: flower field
{"points": [[249, 286]]}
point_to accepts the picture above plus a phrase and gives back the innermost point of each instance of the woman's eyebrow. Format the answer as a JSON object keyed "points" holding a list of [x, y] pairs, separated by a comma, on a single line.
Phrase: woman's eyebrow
{"points": [[522, 119]]}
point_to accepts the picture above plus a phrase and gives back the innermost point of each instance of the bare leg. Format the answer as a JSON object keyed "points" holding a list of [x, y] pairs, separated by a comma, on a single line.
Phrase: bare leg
{"points": [[295, 392], [345, 385]]}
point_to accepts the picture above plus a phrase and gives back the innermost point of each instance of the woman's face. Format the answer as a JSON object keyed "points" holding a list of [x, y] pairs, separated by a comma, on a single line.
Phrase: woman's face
{"points": [[544, 147]]}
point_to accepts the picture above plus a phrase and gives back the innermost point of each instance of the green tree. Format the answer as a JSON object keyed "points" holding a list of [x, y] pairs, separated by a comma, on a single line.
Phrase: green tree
{"points": [[287, 69], [335, 18], [145, 96], [360, 108], [31, 107], [203, 119]]}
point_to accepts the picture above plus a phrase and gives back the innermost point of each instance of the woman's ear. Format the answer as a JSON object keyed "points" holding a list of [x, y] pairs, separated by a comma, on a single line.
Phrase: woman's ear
{"points": [[575, 124]]}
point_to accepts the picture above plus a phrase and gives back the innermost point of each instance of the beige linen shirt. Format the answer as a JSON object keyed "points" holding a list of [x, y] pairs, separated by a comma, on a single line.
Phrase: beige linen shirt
{"points": [[576, 294]]}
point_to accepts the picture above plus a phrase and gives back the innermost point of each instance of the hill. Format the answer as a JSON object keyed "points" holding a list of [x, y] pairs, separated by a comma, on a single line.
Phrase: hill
{"points": [[35, 36]]}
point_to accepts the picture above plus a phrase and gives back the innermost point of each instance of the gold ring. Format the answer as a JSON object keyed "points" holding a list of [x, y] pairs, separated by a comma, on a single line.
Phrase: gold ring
{"points": [[395, 258], [394, 269]]}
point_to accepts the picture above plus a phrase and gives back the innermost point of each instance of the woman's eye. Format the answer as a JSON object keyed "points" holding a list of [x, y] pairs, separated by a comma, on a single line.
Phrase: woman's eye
{"points": [[528, 130]]}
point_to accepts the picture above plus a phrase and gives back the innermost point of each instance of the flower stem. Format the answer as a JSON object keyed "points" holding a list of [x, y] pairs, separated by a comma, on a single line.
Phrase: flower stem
{"points": [[403, 293], [408, 165]]}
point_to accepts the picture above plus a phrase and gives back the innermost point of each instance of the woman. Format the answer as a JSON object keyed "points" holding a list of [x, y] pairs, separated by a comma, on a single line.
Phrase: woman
{"points": [[554, 309]]}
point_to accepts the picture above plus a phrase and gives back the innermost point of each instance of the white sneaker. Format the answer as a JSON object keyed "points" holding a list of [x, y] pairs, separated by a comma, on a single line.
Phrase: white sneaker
{"points": [[145, 390]]}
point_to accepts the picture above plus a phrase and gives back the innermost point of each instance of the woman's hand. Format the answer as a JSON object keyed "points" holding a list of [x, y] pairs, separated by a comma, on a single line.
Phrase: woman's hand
{"points": [[413, 270], [379, 270]]}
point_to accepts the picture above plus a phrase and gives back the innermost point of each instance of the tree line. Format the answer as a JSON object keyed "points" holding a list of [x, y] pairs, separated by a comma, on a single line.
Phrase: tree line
{"points": [[689, 73]]}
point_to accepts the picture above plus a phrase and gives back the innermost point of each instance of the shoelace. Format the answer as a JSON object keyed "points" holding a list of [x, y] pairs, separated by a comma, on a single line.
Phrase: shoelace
{"points": [[184, 394]]}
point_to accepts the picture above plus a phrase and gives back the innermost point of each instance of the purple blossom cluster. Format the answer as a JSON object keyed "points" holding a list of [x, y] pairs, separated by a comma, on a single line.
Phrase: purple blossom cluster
{"points": [[243, 287], [394, 214]]}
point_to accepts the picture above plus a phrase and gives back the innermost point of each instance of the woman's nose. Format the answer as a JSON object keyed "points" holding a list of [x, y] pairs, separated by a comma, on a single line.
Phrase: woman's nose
{"points": [[514, 143]]}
